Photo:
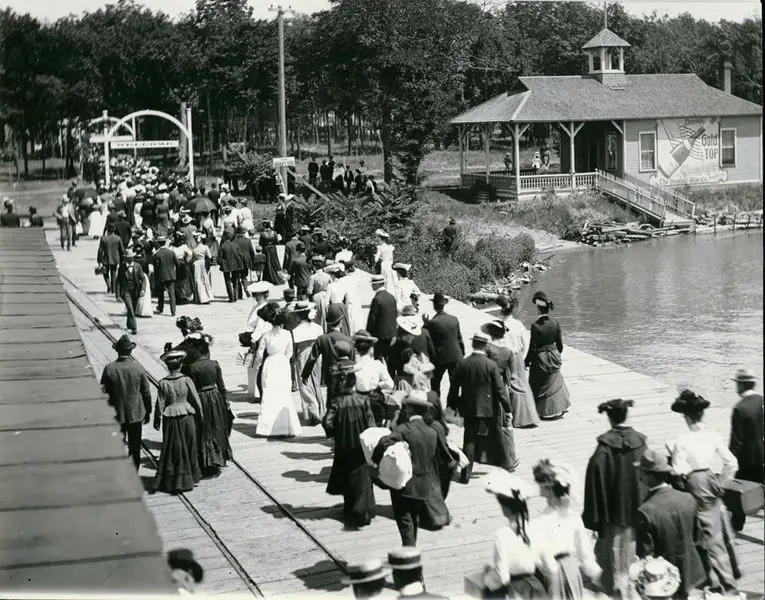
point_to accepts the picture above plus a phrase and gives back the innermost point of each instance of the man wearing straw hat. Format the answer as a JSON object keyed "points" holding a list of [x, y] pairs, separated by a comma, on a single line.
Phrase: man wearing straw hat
{"points": [[130, 287], [367, 579], [406, 565], [126, 384]]}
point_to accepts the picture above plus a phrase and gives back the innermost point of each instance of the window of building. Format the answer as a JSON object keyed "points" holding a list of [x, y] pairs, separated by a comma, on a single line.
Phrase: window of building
{"points": [[727, 147], [647, 150]]}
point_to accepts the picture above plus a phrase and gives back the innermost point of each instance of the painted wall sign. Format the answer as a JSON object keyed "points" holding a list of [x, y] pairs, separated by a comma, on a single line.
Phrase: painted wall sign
{"points": [[688, 152]]}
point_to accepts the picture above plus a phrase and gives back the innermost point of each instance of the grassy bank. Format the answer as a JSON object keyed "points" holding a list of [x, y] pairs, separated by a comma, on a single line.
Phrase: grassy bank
{"points": [[727, 199]]}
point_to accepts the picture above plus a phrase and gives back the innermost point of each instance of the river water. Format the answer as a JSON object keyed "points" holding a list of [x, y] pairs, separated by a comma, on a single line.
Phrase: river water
{"points": [[685, 310]]}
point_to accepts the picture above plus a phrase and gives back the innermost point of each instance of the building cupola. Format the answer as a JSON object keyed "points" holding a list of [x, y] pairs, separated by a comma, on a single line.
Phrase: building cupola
{"points": [[605, 55]]}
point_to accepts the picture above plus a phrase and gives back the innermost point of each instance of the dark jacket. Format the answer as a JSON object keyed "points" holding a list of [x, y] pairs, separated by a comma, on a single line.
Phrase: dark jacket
{"points": [[289, 254], [246, 250], [131, 283], [667, 527], [424, 447], [445, 331], [230, 257], [746, 437], [10, 219], [483, 391], [300, 271], [381, 321], [123, 229], [206, 374], [612, 489], [324, 347], [165, 264], [545, 331], [110, 249], [127, 385]]}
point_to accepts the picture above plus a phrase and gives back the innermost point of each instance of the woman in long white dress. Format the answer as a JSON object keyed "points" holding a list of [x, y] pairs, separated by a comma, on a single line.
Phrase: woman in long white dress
{"points": [[384, 256], [356, 317], [97, 220], [257, 327], [278, 416], [337, 294], [203, 293], [405, 287]]}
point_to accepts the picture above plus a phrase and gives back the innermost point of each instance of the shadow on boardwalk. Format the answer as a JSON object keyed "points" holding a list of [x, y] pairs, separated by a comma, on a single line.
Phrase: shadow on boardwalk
{"points": [[325, 575]]}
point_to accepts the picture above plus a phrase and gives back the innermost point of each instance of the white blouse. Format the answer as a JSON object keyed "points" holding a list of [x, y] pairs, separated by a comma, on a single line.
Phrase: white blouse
{"points": [[306, 331], [512, 557], [337, 291], [560, 530], [404, 289], [701, 448], [384, 253], [371, 375], [517, 337]]}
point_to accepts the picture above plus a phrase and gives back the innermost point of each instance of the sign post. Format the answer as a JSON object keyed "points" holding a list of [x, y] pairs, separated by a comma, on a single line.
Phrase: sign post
{"points": [[190, 138], [282, 163]]}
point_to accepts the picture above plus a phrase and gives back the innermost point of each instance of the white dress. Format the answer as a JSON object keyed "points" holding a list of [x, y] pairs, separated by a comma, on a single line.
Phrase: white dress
{"points": [[97, 221], [278, 416], [144, 308], [517, 337], [405, 288], [385, 256], [258, 327]]}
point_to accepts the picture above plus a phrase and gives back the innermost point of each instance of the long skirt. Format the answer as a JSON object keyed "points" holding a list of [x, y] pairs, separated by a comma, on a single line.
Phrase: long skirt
{"points": [[97, 224], [521, 396], [184, 290], [566, 583], [202, 284], [522, 587], [615, 552], [178, 468], [717, 539], [386, 270], [144, 308], [278, 416], [311, 396], [271, 272], [137, 218], [546, 381], [214, 447], [352, 478], [321, 299]]}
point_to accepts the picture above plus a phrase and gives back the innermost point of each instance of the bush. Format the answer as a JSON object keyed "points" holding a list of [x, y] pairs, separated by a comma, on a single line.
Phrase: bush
{"points": [[729, 198], [452, 278]]}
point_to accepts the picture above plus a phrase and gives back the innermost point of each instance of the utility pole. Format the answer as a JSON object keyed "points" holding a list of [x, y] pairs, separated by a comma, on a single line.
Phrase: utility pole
{"points": [[605, 14], [282, 101]]}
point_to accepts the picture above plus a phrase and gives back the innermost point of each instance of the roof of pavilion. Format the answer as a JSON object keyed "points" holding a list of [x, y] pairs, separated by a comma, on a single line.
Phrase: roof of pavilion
{"points": [[545, 99]]}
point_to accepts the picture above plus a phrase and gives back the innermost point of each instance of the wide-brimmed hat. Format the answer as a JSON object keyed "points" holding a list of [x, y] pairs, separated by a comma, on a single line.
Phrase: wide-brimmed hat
{"points": [[405, 558], [162, 187], [377, 280], [417, 398], [124, 344], [173, 356], [744, 376], [305, 228], [502, 483], [186, 219], [334, 267], [440, 299], [335, 314], [382, 233], [362, 335], [183, 558], [689, 402], [160, 239], [318, 259], [410, 323], [654, 461], [260, 287], [364, 572], [493, 327], [405, 267], [617, 404], [655, 577]]}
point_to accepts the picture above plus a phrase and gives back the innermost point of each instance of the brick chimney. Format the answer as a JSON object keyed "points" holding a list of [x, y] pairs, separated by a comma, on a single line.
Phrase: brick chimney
{"points": [[725, 79]]}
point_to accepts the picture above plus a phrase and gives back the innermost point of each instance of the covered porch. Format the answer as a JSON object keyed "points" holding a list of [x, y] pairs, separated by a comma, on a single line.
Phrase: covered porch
{"points": [[585, 148]]}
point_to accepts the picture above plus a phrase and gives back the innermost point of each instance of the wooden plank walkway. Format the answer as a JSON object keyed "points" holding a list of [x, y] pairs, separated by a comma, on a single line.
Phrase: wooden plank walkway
{"points": [[295, 471], [71, 512]]}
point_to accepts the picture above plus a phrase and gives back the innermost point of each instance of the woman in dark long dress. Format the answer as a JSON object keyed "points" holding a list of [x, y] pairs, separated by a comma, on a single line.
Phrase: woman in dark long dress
{"points": [[268, 241], [348, 416], [214, 447], [512, 572], [177, 409], [184, 280], [544, 361]]}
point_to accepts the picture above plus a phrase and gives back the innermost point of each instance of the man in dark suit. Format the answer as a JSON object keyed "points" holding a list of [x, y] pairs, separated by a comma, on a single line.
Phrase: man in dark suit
{"points": [[247, 252], [381, 321], [165, 274], [306, 237], [231, 263], [289, 254], [300, 272], [127, 385], [446, 334], [324, 347], [666, 523], [130, 286], [320, 244], [110, 253], [313, 171], [424, 447], [122, 228], [478, 393]]}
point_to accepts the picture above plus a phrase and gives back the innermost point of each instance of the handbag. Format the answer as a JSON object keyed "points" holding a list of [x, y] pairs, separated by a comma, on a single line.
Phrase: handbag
{"points": [[395, 468], [99, 270], [369, 439]]}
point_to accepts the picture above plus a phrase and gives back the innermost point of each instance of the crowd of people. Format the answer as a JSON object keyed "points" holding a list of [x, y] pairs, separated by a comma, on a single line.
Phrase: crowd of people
{"points": [[374, 381]]}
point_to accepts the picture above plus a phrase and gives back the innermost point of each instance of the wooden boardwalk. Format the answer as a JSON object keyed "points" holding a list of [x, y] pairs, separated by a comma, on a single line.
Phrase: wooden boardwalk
{"points": [[295, 471]]}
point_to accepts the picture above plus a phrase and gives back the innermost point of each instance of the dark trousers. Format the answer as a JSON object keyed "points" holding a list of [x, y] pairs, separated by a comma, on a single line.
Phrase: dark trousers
{"points": [[110, 277], [66, 234], [242, 283], [170, 287], [498, 445], [438, 375], [131, 302], [406, 511], [131, 432], [232, 284], [382, 351]]}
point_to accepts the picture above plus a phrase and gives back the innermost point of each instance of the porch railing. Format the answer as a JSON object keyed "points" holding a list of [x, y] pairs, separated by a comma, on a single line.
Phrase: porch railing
{"points": [[505, 180], [672, 199], [632, 195]]}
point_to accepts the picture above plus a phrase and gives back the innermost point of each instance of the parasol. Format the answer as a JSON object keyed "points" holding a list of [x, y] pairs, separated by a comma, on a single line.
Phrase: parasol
{"points": [[200, 205], [81, 193]]}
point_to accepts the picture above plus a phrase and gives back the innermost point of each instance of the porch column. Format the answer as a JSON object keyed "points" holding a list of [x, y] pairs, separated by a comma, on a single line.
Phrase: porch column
{"points": [[517, 159], [462, 153], [487, 127], [571, 137]]}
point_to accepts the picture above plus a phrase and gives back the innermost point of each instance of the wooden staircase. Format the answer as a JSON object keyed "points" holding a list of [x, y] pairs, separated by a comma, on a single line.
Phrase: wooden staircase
{"points": [[659, 205]]}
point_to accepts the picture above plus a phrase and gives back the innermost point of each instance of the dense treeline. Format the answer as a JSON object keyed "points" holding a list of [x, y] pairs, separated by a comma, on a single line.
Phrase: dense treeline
{"points": [[388, 70]]}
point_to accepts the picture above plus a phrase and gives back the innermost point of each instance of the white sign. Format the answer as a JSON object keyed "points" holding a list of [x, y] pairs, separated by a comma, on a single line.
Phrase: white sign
{"points": [[98, 138], [688, 152], [145, 144], [287, 161]]}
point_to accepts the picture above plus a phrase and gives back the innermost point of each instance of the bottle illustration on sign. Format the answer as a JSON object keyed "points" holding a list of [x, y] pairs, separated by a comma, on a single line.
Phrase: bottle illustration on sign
{"points": [[671, 162]]}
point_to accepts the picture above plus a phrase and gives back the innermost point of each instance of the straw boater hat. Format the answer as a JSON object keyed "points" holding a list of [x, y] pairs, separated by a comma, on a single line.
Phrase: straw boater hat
{"points": [[318, 259], [689, 402], [259, 287], [302, 307], [382, 233], [377, 280], [305, 228], [744, 376], [129, 253], [655, 577], [403, 559], [402, 267], [362, 335], [495, 326], [174, 356], [481, 338], [364, 572], [124, 344]]}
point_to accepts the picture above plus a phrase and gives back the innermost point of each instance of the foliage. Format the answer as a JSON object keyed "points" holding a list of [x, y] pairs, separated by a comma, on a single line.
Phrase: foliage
{"points": [[251, 168], [727, 198]]}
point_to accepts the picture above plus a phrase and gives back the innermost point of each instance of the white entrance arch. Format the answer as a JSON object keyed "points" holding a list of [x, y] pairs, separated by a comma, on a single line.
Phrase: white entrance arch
{"points": [[108, 133], [98, 120]]}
